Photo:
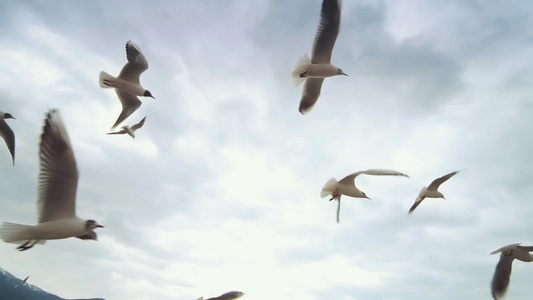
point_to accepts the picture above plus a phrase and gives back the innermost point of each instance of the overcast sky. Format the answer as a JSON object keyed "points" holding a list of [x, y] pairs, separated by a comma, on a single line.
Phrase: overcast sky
{"points": [[220, 190]]}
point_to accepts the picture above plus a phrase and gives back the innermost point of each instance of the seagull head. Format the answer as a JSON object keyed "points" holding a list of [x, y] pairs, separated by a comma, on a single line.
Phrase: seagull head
{"points": [[8, 116], [148, 94], [91, 224], [340, 72]]}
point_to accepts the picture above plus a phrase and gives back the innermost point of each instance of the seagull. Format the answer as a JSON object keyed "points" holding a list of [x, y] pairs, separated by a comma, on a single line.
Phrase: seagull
{"points": [[226, 296], [127, 85], [346, 186], [58, 180], [7, 134], [313, 70], [130, 130], [431, 190], [500, 281], [22, 283]]}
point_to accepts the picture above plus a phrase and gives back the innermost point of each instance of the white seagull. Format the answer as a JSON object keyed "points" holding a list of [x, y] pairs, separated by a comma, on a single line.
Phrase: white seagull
{"points": [[346, 186], [130, 130], [313, 70], [127, 85], [226, 296], [431, 190], [500, 281], [7, 134], [22, 283], [58, 180]]}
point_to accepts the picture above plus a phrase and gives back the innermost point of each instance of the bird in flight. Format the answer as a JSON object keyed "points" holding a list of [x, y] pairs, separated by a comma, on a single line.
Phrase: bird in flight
{"points": [[313, 70], [502, 274], [7, 134], [431, 191], [127, 84], [58, 182], [130, 130], [346, 186]]}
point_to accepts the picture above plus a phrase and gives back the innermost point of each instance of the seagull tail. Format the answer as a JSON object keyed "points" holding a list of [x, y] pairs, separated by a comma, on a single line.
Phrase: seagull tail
{"points": [[328, 188], [14, 233], [298, 74], [104, 80]]}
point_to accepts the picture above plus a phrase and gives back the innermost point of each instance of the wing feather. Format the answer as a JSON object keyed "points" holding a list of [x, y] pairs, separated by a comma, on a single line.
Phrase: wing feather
{"points": [[58, 176]]}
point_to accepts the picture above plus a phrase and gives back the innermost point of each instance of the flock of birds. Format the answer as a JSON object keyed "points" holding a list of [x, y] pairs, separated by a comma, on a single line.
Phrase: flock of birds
{"points": [[58, 177]]}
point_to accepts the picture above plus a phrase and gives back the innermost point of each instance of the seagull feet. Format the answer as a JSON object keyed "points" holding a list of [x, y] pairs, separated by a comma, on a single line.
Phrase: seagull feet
{"points": [[26, 245], [304, 74], [335, 196], [107, 82]]}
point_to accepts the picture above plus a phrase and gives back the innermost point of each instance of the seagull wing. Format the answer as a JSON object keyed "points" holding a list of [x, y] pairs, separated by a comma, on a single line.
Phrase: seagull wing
{"points": [[228, 296], [415, 205], [138, 125], [437, 182], [502, 274], [310, 94], [136, 64], [118, 132], [130, 103], [328, 29], [58, 176], [376, 172], [91, 235], [9, 137]]}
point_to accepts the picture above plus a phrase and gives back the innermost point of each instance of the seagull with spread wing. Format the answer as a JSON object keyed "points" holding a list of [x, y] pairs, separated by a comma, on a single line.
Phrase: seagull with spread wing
{"points": [[127, 84], [313, 70], [431, 191], [130, 130], [502, 273], [58, 182], [7, 133], [346, 186]]}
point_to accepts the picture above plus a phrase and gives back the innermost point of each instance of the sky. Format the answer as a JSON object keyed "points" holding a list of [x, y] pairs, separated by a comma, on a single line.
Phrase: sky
{"points": [[220, 190]]}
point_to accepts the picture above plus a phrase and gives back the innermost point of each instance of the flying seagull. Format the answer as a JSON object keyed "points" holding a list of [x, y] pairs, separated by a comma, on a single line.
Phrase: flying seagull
{"points": [[313, 70], [346, 186], [226, 296], [431, 190], [58, 180], [500, 281], [130, 130], [127, 85], [22, 282], [7, 134]]}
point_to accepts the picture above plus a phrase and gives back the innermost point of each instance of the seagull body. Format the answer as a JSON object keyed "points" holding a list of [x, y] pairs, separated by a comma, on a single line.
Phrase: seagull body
{"points": [[431, 191], [127, 84], [22, 283], [58, 180], [502, 273], [7, 134], [130, 130], [226, 296], [346, 186], [313, 70]]}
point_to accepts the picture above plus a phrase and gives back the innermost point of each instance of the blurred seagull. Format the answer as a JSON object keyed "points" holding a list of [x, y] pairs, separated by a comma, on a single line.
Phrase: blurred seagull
{"points": [[7, 134], [346, 186], [130, 130], [226, 296], [318, 67], [22, 283], [127, 85], [500, 281], [58, 180], [431, 190]]}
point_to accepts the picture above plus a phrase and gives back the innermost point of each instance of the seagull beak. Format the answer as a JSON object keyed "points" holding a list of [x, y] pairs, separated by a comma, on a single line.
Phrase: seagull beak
{"points": [[152, 97], [344, 74], [99, 226]]}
